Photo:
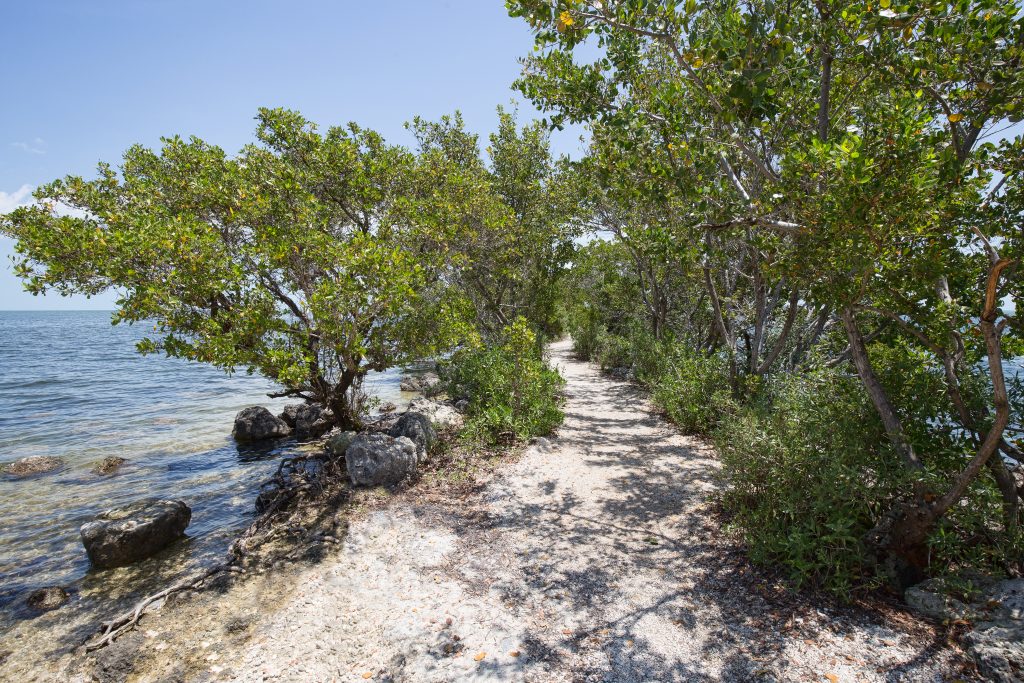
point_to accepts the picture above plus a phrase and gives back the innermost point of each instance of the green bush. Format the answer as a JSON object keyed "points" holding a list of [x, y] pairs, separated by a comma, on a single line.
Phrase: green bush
{"points": [[692, 388], [613, 351], [809, 469], [513, 394]]}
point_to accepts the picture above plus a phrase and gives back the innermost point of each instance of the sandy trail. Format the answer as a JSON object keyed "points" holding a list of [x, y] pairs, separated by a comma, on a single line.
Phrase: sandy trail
{"points": [[596, 557]]}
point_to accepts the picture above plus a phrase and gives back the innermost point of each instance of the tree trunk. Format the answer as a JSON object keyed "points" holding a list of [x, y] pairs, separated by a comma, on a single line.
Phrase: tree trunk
{"points": [[880, 399]]}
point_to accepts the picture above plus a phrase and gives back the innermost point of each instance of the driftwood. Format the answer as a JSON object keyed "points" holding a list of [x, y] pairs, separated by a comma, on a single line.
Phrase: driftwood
{"points": [[295, 485]]}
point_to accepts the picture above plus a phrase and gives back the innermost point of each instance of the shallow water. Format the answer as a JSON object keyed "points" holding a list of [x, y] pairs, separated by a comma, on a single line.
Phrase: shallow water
{"points": [[72, 386]]}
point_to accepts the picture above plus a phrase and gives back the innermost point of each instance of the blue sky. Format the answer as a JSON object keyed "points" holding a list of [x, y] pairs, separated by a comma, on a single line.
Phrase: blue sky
{"points": [[84, 80]]}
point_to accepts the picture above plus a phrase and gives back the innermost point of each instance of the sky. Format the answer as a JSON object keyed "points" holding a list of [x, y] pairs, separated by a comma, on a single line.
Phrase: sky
{"points": [[85, 80]]}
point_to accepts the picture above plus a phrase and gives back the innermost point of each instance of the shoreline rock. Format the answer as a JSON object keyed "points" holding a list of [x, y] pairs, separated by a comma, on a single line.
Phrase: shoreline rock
{"points": [[312, 421], [380, 459], [256, 423], [48, 598], [996, 639], [418, 428], [441, 415], [109, 465], [339, 442], [423, 383], [125, 535], [290, 413], [32, 465]]}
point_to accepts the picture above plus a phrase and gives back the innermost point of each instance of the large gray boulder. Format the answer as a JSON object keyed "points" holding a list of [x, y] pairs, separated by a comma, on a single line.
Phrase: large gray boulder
{"points": [[32, 465], [379, 459], [258, 424], [441, 415], [417, 428], [131, 533], [312, 420]]}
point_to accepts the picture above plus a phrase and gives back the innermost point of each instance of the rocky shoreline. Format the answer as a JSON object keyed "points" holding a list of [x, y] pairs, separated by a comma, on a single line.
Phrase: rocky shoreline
{"points": [[123, 536], [248, 621]]}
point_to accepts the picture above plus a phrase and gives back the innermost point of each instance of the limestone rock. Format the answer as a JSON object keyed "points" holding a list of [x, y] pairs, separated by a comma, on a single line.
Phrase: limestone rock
{"points": [[998, 649], [418, 428], [109, 465], [312, 420], [36, 464], [124, 535], [47, 598], [441, 415], [290, 413], [338, 442], [425, 383], [929, 600], [258, 424], [377, 459]]}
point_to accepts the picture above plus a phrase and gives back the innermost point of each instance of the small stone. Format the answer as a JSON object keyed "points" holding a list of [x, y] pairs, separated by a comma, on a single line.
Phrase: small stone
{"points": [[109, 465], [47, 598]]}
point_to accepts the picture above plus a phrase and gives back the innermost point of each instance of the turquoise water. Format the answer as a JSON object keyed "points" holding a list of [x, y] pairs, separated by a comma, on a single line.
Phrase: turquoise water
{"points": [[72, 386]]}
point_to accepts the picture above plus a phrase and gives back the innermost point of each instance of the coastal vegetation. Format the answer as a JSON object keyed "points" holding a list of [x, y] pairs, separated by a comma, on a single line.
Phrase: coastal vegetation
{"points": [[813, 213], [799, 225]]}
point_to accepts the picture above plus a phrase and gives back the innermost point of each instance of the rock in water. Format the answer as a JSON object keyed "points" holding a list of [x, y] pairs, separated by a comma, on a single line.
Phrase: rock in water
{"points": [[418, 428], [47, 598], [426, 382], [258, 424], [312, 421], [36, 464], [376, 459], [109, 465], [128, 534]]}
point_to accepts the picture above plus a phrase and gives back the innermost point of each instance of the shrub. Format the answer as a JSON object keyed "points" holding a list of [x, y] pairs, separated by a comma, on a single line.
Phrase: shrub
{"points": [[613, 351], [513, 394], [809, 469], [692, 388]]}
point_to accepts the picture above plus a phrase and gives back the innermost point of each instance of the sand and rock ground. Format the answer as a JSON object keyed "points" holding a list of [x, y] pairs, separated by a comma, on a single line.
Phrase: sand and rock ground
{"points": [[597, 556]]}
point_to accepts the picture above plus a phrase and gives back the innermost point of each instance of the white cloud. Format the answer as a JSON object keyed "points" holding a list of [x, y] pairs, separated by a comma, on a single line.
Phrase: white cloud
{"points": [[35, 146], [11, 201]]}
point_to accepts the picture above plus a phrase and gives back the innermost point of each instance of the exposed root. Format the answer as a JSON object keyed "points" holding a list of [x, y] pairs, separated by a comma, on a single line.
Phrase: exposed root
{"points": [[127, 621]]}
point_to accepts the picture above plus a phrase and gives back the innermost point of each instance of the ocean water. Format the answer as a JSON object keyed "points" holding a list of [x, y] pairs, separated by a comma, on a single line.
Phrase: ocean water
{"points": [[73, 386]]}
